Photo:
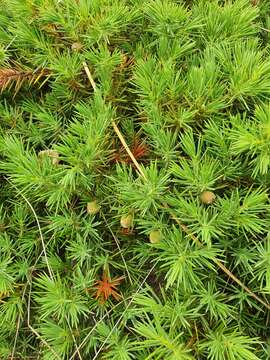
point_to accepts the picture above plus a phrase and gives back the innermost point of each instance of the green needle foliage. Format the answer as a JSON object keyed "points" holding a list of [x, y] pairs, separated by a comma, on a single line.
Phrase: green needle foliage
{"points": [[164, 257]]}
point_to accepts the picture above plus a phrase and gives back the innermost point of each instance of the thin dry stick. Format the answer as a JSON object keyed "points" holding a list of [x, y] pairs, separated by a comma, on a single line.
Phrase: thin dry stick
{"points": [[18, 325], [86, 68], [115, 127], [10, 43], [16, 338], [77, 351], [88, 73], [39, 229], [239, 282], [121, 138], [185, 229], [118, 246], [267, 30], [222, 266]]}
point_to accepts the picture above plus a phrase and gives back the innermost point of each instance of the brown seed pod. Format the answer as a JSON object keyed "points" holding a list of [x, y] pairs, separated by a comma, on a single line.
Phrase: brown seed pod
{"points": [[255, 2], [207, 197], [53, 154], [126, 221], [155, 237], [77, 46], [93, 207]]}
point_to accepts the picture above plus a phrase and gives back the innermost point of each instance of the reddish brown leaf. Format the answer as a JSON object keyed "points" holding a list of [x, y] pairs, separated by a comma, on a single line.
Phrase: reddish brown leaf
{"points": [[107, 287]]}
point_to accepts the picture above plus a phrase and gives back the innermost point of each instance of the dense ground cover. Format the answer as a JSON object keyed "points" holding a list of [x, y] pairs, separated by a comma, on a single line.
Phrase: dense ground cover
{"points": [[135, 155]]}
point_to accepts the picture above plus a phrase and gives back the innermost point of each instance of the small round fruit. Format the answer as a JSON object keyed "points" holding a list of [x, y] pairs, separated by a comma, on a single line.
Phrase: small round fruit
{"points": [[126, 221], [155, 237], [77, 46], [93, 207], [207, 197]]}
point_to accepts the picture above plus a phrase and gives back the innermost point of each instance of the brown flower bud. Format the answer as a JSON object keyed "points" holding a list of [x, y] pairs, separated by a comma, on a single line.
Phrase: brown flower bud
{"points": [[77, 46], [126, 221], [93, 207], [207, 197]]}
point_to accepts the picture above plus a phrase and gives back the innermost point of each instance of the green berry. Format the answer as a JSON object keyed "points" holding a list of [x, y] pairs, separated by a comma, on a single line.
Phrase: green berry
{"points": [[93, 207], [155, 237]]}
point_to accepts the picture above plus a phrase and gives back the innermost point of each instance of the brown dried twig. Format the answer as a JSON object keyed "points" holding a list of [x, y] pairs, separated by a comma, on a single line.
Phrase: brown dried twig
{"points": [[9, 76]]}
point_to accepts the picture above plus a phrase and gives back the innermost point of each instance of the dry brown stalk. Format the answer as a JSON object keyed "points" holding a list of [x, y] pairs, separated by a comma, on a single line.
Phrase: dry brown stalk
{"points": [[9, 76]]}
